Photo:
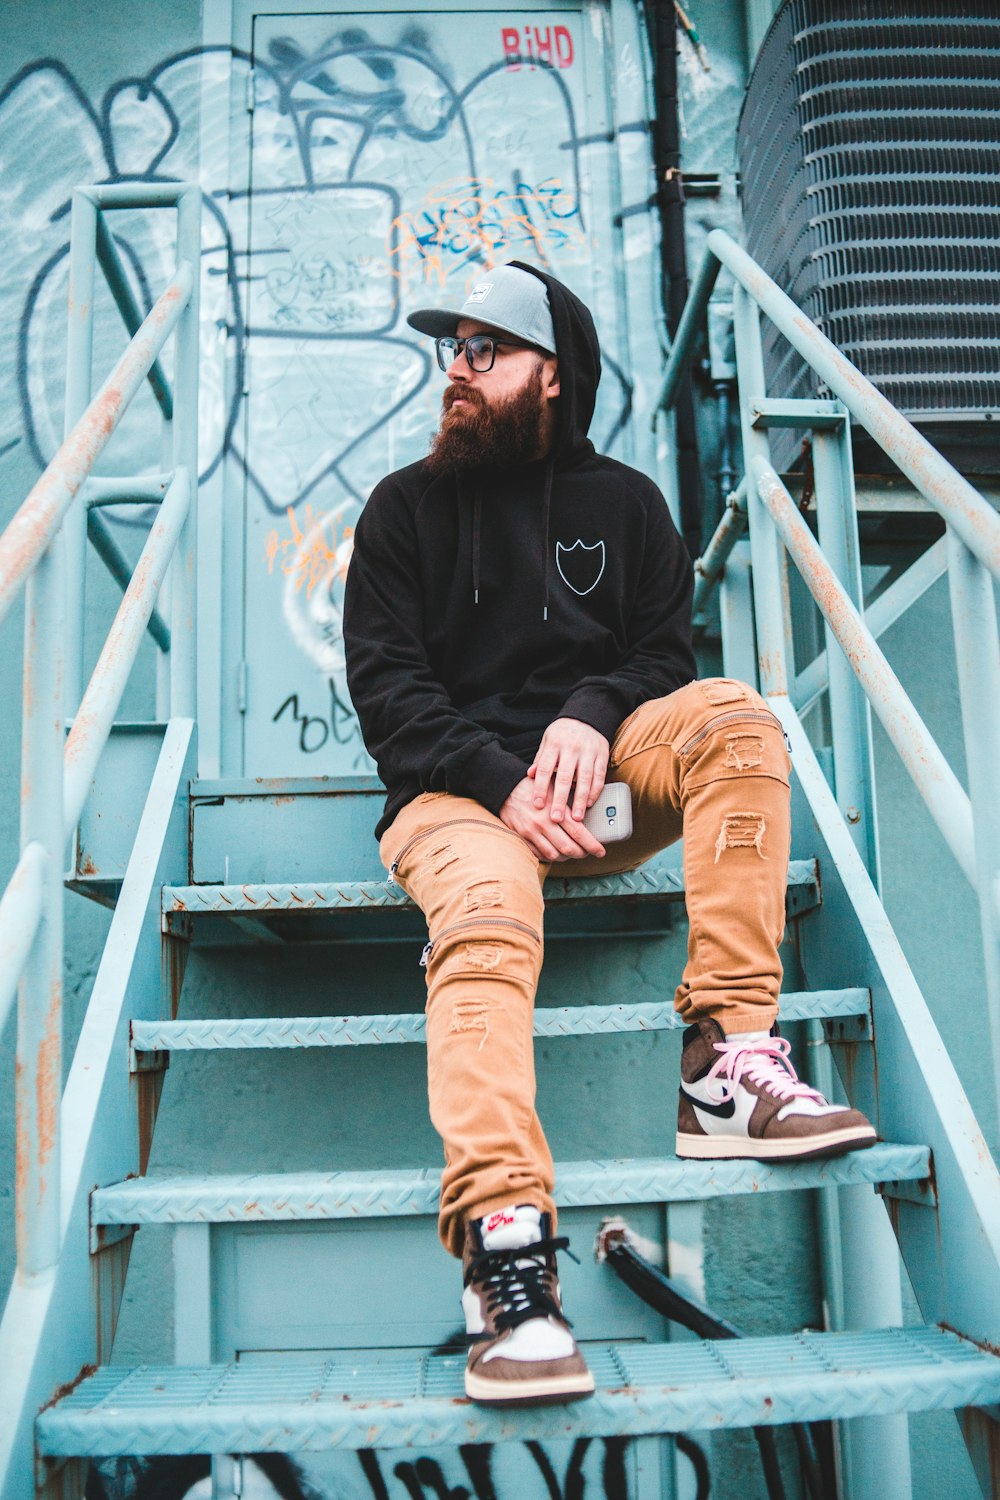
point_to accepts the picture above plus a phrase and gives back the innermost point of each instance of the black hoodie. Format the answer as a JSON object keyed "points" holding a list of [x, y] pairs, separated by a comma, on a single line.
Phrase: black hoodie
{"points": [[473, 618]]}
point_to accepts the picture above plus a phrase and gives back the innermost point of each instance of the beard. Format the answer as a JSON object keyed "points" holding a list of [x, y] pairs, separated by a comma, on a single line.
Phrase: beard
{"points": [[504, 433]]}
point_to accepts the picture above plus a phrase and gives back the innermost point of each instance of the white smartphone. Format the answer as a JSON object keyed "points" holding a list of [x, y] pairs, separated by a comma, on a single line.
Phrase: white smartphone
{"points": [[610, 818]]}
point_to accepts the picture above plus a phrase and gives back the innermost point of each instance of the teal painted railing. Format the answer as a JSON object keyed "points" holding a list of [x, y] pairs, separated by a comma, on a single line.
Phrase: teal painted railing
{"points": [[926, 1095], [969, 823], [44, 550]]}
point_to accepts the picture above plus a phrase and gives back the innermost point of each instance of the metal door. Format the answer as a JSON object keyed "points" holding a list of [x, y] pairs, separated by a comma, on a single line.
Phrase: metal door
{"points": [[393, 156]]}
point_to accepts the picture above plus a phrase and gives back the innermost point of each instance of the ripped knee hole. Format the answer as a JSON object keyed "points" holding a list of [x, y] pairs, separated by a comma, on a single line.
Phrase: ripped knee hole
{"points": [[741, 830], [744, 750], [720, 690], [471, 1015], [484, 894]]}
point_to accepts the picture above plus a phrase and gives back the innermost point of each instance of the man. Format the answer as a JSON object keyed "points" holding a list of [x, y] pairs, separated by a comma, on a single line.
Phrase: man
{"points": [[517, 626]]}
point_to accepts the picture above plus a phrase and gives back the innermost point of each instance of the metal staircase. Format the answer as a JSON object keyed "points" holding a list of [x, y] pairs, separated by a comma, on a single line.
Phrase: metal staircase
{"points": [[141, 842]]}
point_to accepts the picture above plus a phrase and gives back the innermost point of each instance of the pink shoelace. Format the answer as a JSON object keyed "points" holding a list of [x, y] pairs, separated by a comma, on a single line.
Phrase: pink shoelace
{"points": [[765, 1063]]}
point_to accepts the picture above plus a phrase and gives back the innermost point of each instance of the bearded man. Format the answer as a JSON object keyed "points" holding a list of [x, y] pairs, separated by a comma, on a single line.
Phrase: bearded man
{"points": [[517, 625]]}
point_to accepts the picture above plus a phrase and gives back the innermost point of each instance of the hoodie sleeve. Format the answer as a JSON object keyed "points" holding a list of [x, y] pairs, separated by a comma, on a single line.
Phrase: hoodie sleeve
{"points": [[409, 723], [659, 657]]}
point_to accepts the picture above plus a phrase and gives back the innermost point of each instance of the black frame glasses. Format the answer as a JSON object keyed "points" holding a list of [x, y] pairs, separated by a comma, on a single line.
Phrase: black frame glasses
{"points": [[480, 351]]}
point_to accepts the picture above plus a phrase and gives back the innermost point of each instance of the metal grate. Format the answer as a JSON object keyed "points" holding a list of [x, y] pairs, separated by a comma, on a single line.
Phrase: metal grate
{"points": [[868, 147], [278, 1196], [399, 1401]]}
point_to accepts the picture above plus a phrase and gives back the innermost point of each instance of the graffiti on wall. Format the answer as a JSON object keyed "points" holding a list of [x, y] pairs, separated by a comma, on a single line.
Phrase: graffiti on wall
{"points": [[586, 1469], [485, 222], [379, 177]]}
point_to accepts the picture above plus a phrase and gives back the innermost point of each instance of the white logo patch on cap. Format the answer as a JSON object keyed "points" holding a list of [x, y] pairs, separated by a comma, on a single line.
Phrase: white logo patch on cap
{"points": [[480, 291]]}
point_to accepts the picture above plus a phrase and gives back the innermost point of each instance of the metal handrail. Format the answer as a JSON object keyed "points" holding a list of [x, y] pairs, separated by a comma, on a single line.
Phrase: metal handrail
{"points": [[113, 557], [812, 682], [857, 675], [936, 782], [38, 518], [20, 914], [944, 488], [44, 550], [95, 716], [118, 283], [709, 567]]}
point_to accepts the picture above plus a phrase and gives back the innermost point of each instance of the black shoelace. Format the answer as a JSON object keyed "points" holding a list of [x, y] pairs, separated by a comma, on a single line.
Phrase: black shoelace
{"points": [[514, 1283]]}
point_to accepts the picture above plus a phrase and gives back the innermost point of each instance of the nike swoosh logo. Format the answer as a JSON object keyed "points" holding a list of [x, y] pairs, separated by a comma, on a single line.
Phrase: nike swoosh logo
{"points": [[724, 1111]]}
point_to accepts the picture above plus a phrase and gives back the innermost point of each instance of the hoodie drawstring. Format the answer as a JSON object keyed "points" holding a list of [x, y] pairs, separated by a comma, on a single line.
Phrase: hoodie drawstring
{"points": [[547, 512], [477, 520]]}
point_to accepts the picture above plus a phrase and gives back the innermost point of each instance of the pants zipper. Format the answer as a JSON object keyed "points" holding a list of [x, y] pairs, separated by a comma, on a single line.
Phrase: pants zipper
{"points": [[732, 718], [477, 922], [448, 823]]}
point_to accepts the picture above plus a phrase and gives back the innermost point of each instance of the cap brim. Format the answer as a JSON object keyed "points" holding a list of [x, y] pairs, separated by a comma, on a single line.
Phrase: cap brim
{"points": [[437, 321]]}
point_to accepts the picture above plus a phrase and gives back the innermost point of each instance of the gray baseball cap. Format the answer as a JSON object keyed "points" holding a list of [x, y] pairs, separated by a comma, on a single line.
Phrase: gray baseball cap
{"points": [[506, 298]]}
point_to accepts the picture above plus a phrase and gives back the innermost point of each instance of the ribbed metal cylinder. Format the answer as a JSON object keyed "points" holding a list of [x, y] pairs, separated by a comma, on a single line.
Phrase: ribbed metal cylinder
{"points": [[868, 145]]}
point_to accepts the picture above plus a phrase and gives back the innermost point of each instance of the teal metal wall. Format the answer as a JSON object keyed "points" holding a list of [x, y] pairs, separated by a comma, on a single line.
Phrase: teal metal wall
{"points": [[71, 111]]}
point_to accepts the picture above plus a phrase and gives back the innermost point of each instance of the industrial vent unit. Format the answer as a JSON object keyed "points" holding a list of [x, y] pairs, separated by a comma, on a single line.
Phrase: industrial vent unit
{"points": [[869, 147]]}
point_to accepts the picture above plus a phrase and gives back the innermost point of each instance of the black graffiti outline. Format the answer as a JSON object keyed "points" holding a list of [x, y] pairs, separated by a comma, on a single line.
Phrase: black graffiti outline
{"points": [[238, 328], [148, 85], [159, 1478], [417, 1474], [102, 127], [305, 723], [574, 1483], [342, 725]]}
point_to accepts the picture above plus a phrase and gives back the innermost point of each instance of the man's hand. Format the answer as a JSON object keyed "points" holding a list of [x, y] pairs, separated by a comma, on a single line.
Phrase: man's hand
{"points": [[570, 752], [552, 842]]}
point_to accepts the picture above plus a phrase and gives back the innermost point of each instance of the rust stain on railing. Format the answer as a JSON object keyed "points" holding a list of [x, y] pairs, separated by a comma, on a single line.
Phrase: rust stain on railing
{"points": [[31, 530], [48, 1082]]}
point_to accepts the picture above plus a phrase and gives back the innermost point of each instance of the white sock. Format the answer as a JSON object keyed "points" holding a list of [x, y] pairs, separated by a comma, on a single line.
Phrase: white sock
{"points": [[747, 1036], [510, 1228]]}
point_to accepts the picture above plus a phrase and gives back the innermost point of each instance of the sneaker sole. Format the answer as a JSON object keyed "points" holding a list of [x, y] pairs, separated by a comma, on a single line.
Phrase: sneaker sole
{"points": [[728, 1148], [542, 1391]]}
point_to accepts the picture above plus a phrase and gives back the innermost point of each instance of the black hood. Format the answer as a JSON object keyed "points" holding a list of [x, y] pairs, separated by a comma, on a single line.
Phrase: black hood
{"points": [[482, 605], [579, 357]]}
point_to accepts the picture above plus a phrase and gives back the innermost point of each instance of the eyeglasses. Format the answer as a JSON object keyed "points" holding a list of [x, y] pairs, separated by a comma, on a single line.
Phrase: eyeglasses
{"points": [[480, 351]]}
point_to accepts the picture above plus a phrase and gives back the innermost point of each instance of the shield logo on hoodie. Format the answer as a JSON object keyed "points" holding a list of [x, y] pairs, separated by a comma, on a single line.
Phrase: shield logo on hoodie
{"points": [[580, 567]]}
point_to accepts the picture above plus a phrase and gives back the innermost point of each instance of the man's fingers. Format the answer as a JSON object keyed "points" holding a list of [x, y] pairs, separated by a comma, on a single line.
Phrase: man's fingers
{"points": [[564, 780], [583, 837], [563, 844], [599, 779], [545, 849], [584, 781], [545, 764]]}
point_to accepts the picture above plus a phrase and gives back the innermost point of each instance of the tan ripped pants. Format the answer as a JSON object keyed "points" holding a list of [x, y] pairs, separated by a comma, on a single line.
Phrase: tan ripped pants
{"points": [[709, 761]]}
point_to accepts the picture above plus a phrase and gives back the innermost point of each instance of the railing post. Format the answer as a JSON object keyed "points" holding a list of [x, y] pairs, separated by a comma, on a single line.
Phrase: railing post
{"points": [[867, 1248], [183, 646], [977, 657], [770, 573], [39, 1029], [739, 645], [850, 713], [79, 388]]}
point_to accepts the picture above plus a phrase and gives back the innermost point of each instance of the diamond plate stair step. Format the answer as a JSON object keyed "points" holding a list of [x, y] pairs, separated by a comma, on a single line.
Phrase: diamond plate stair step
{"points": [[383, 1194], [649, 883], [402, 1401], [363, 1031]]}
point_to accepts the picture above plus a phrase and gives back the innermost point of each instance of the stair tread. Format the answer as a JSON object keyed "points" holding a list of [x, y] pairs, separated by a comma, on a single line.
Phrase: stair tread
{"points": [[232, 1198], [407, 1400], [365, 1030], [649, 882]]}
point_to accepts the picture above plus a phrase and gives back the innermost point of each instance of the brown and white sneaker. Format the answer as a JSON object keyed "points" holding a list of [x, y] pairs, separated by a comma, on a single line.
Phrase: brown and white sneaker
{"points": [[522, 1353], [743, 1098]]}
